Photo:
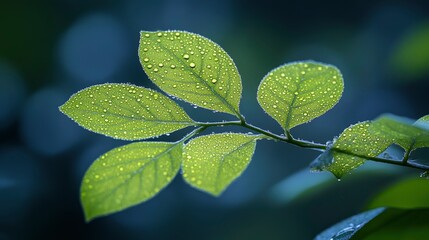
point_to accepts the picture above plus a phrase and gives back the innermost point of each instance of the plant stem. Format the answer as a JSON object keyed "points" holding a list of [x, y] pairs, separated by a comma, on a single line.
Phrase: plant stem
{"points": [[408, 152], [193, 133], [384, 160], [303, 143]]}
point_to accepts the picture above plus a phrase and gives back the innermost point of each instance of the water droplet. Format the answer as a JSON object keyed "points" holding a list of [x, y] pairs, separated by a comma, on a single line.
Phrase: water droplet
{"points": [[159, 34], [186, 56], [173, 66], [192, 65], [149, 66], [147, 35], [146, 59], [214, 80], [161, 65], [155, 69]]}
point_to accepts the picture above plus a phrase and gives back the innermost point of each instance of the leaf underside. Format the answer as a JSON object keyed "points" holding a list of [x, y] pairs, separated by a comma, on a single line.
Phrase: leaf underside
{"points": [[212, 162], [298, 92], [128, 175], [193, 68], [125, 111]]}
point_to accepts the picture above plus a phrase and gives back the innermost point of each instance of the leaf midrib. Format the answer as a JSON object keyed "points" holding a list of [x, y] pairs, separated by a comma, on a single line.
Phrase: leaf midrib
{"points": [[133, 174], [222, 161], [201, 80]]}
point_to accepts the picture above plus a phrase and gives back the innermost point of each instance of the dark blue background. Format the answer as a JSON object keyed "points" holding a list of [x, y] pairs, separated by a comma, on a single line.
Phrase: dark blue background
{"points": [[51, 49]]}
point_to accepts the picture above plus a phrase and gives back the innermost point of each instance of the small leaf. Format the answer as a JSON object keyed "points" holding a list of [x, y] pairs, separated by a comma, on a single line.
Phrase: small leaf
{"points": [[402, 131], [409, 193], [357, 140], [192, 68], [345, 229], [125, 111], [296, 93], [212, 162], [128, 175]]}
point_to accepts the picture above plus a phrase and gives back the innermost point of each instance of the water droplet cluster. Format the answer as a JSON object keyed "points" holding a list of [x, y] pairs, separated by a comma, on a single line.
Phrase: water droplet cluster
{"points": [[125, 111], [212, 162], [129, 175], [299, 92], [191, 67], [355, 139]]}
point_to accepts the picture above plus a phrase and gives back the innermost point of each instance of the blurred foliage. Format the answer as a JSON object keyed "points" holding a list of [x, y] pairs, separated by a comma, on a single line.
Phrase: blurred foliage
{"points": [[410, 58], [408, 193]]}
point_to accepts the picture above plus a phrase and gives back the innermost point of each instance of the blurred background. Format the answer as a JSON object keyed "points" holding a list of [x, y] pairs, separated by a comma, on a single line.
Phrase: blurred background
{"points": [[51, 49]]}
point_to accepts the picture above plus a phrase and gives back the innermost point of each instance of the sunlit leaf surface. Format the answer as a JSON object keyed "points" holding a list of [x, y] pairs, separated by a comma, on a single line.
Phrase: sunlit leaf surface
{"points": [[298, 92], [192, 68], [125, 111], [128, 175], [212, 162]]}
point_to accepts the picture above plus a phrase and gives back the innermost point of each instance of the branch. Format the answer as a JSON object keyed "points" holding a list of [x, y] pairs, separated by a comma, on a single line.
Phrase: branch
{"points": [[306, 144]]}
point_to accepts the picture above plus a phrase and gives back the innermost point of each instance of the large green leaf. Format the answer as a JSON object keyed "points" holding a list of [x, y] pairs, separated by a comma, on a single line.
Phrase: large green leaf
{"points": [[128, 175], [212, 162], [296, 93], [356, 140], [409, 193], [404, 132], [125, 111], [192, 68]]}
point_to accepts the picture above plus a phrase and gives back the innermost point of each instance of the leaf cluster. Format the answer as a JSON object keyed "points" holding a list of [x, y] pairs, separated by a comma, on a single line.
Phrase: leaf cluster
{"points": [[192, 68]]}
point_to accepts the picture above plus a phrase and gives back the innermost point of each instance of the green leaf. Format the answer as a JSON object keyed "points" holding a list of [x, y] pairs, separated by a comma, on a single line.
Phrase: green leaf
{"points": [[212, 162], [356, 140], [128, 175], [298, 92], [345, 229], [402, 131], [125, 111], [192, 68], [397, 224], [409, 193]]}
